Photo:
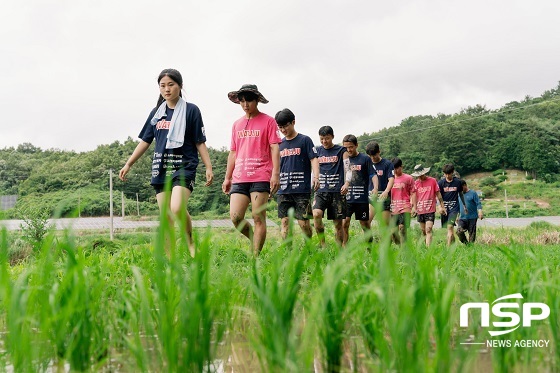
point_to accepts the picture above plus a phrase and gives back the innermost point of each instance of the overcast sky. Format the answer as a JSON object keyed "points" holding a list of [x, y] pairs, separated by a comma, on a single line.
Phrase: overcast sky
{"points": [[77, 74]]}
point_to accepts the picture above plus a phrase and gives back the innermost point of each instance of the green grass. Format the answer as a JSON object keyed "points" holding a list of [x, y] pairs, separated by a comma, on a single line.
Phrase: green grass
{"points": [[124, 305]]}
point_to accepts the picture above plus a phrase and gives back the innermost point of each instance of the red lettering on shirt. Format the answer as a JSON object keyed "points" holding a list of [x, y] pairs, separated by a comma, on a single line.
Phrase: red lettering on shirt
{"points": [[163, 125], [356, 167], [248, 133], [332, 159], [379, 172], [290, 152], [450, 189]]}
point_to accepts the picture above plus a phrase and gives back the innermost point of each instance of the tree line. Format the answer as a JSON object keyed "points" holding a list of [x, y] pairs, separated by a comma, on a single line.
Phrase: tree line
{"points": [[521, 134]]}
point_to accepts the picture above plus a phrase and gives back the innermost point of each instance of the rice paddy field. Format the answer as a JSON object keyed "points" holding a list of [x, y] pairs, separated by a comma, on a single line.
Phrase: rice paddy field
{"points": [[81, 302]]}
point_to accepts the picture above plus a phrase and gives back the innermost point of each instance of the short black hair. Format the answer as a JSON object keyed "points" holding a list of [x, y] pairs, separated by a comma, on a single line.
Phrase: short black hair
{"points": [[463, 183], [350, 138], [247, 96], [372, 148], [284, 117], [325, 131], [448, 169], [397, 162]]}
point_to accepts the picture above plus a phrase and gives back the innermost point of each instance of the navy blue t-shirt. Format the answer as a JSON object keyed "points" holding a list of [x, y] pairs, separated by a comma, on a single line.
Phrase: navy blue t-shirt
{"points": [[362, 172], [331, 168], [450, 193], [178, 162], [295, 164], [385, 170]]}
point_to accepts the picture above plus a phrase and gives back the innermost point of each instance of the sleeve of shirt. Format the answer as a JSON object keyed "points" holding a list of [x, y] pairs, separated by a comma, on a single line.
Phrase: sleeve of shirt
{"points": [[437, 189], [273, 136], [147, 134], [391, 170], [233, 144], [477, 201], [194, 118], [310, 148]]}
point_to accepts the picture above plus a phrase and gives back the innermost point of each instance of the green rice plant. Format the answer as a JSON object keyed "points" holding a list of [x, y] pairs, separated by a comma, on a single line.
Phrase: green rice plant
{"points": [[275, 290], [332, 310]]}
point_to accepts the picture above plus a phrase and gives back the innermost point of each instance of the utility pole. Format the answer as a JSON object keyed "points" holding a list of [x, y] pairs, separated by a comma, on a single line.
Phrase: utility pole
{"points": [[122, 204], [505, 194], [111, 203], [137, 205]]}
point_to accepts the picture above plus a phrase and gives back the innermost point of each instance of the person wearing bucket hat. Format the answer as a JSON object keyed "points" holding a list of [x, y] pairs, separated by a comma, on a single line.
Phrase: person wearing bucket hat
{"points": [[427, 192], [178, 131], [253, 165], [403, 201], [451, 191]]}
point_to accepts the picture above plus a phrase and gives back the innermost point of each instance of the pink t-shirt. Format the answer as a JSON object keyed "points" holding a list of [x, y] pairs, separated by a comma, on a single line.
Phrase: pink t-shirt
{"points": [[426, 195], [251, 140], [403, 188]]}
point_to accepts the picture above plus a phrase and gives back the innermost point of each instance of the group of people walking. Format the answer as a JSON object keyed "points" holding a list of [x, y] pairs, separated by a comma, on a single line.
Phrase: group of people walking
{"points": [[342, 181]]}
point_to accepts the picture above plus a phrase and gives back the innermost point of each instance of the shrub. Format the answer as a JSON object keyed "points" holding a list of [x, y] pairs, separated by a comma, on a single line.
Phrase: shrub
{"points": [[499, 172], [502, 178], [488, 181], [487, 191], [35, 226]]}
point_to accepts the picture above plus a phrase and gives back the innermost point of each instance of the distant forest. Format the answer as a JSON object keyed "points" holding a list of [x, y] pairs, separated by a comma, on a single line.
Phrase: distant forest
{"points": [[522, 134]]}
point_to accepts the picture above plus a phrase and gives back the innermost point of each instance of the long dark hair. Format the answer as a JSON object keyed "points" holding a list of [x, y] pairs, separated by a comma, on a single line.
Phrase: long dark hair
{"points": [[175, 76]]}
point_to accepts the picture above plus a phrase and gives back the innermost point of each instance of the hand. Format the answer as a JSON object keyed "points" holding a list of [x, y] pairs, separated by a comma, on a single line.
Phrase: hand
{"points": [[226, 186], [274, 183], [443, 210], [315, 183], [383, 196], [123, 172], [480, 216], [413, 212], [344, 189], [466, 210], [209, 177]]}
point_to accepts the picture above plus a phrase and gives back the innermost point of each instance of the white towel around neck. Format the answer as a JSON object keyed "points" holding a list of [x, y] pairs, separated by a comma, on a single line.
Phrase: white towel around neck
{"points": [[176, 134]]}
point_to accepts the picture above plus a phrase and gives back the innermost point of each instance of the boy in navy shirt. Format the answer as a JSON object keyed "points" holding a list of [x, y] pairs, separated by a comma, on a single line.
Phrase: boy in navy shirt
{"points": [[334, 172], [357, 198], [386, 178], [451, 190], [298, 157]]}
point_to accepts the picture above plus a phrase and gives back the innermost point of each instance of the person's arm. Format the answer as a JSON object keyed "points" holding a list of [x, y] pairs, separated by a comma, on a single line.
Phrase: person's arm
{"points": [[390, 184], [347, 173], [136, 154], [442, 209], [226, 185], [413, 203], [315, 169], [375, 182], [478, 206], [203, 151], [275, 178], [462, 197]]}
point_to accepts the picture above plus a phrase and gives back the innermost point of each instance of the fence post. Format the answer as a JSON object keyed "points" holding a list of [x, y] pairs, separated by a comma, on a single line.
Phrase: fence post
{"points": [[111, 203]]}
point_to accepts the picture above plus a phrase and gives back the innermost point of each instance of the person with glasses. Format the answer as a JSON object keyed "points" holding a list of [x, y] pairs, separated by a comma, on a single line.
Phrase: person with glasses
{"points": [[298, 159]]}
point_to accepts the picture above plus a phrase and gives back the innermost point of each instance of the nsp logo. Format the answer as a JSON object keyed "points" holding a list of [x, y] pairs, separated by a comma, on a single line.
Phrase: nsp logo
{"points": [[498, 310]]}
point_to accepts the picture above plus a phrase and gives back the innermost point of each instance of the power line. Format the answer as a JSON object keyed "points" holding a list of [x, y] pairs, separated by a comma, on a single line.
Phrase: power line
{"points": [[461, 121]]}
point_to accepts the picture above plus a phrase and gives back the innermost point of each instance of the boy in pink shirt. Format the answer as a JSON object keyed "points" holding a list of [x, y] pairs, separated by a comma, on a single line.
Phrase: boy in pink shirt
{"points": [[253, 166], [403, 200], [427, 190]]}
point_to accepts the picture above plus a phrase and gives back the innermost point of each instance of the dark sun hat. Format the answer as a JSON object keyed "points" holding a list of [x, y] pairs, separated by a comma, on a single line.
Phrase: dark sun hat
{"points": [[420, 170], [247, 88]]}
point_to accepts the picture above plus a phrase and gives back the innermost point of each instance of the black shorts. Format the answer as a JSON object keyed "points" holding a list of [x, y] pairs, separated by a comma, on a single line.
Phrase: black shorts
{"points": [[402, 219], [334, 203], [176, 181], [386, 203], [449, 219], [431, 216], [360, 210], [248, 188], [301, 202]]}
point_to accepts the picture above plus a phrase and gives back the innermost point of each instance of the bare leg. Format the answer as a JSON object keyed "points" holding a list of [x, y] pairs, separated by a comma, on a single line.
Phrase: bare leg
{"points": [[259, 201], [285, 227], [179, 198], [346, 228], [429, 227], [238, 204], [161, 197], [366, 228], [450, 234], [371, 214], [319, 227], [305, 228], [339, 232]]}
